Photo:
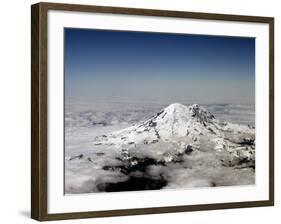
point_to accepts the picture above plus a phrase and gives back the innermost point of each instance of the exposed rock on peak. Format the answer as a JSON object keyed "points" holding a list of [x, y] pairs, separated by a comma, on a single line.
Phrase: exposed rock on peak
{"points": [[201, 113]]}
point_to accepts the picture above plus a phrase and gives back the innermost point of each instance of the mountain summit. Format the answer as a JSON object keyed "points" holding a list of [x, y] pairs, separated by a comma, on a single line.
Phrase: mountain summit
{"points": [[176, 121], [178, 113]]}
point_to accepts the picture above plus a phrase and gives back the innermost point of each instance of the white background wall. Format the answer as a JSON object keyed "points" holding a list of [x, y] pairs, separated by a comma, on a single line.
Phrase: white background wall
{"points": [[15, 111]]}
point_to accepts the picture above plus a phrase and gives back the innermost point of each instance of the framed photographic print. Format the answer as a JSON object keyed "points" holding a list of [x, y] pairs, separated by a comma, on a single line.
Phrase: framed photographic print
{"points": [[140, 111]]}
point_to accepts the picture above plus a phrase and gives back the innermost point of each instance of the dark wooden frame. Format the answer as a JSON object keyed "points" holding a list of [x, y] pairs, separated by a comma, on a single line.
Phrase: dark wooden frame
{"points": [[39, 110]]}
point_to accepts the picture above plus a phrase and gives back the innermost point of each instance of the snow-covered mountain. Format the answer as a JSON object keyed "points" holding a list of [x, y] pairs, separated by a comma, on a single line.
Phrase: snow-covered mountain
{"points": [[180, 146], [192, 123]]}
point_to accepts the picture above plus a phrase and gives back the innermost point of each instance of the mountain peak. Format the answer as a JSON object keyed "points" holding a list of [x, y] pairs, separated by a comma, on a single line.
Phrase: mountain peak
{"points": [[175, 120], [179, 120], [185, 128], [175, 106], [200, 113], [194, 111]]}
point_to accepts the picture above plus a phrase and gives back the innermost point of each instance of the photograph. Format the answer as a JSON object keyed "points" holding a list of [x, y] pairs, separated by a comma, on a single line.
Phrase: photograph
{"points": [[157, 111]]}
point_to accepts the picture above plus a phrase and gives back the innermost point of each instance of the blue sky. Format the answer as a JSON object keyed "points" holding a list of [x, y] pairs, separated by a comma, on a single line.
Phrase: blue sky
{"points": [[159, 66]]}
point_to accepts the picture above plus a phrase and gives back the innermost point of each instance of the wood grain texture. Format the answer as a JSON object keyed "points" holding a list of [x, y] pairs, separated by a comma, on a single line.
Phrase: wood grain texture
{"points": [[153, 12], [34, 113], [39, 203], [38, 112], [271, 111]]}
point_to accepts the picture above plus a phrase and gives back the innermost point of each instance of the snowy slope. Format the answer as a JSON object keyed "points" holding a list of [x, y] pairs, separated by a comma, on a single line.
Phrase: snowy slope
{"points": [[179, 121]]}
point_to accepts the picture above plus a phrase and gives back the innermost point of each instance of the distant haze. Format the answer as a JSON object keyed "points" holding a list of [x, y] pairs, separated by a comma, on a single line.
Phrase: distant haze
{"points": [[159, 66]]}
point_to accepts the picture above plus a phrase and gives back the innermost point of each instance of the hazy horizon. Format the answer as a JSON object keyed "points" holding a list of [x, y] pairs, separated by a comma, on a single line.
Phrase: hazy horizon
{"points": [[158, 67]]}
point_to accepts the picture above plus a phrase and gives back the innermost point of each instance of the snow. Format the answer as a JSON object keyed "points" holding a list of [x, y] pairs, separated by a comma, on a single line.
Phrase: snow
{"points": [[177, 121], [179, 145]]}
